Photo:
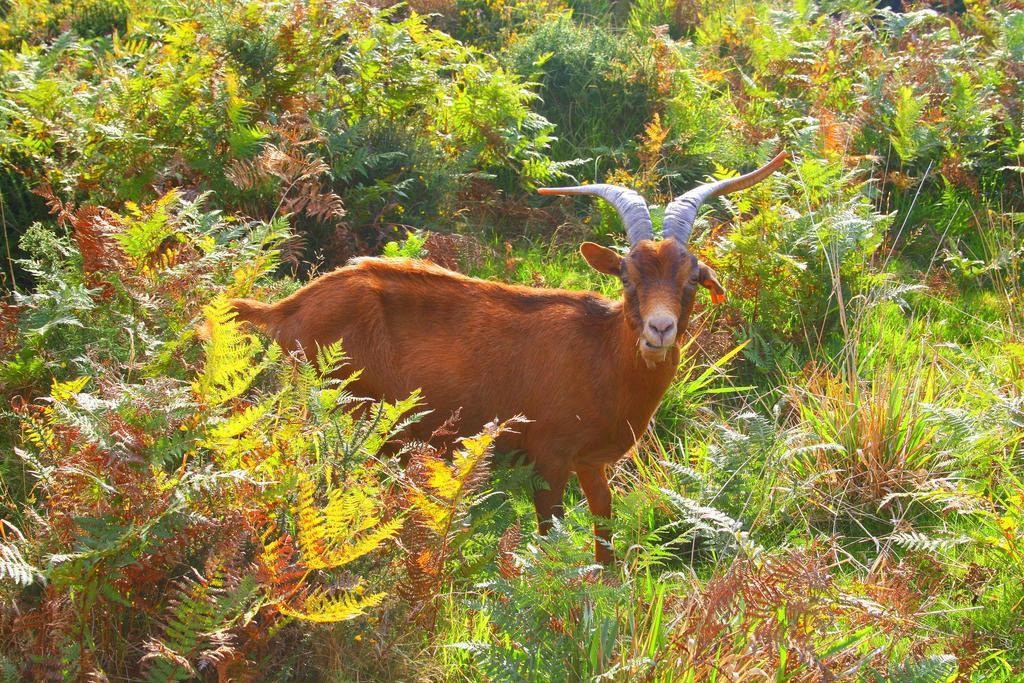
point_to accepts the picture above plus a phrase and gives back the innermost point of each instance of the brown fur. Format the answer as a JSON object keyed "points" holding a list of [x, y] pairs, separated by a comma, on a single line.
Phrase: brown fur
{"points": [[570, 362]]}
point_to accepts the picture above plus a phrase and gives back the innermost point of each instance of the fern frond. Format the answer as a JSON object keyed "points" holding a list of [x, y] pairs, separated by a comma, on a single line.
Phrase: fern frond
{"points": [[330, 358], [200, 613], [65, 391], [323, 606], [231, 366], [507, 545], [277, 568], [702, 516], [245, 174], [931, 669], [143, 232], [915, 540], [362, 545], [338, 534], [238, 424], [13, 566], [440, 495]]}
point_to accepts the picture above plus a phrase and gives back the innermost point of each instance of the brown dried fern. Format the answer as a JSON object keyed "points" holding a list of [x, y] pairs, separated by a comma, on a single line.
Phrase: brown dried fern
{"points": [[295, 175], [507, 545], [737, 624]]}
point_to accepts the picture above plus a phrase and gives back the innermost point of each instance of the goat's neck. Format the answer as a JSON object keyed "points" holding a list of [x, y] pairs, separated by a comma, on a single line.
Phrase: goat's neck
{"points": [[641, 385]]}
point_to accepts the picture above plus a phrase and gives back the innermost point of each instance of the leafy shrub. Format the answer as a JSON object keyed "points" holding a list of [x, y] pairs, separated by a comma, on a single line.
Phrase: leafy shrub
{"points": [[792, 270], [391, 111], [100, 17], [130, 475], [598, 88], [491, 24], [214, 498]]}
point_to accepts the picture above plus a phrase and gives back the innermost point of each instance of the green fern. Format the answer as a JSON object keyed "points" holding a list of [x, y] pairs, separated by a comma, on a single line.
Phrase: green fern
{"points": [[931, 669], [910, 135], [197, 624], [146, 228]]}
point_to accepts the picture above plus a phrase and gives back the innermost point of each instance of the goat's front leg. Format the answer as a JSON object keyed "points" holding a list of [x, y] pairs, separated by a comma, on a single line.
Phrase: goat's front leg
{"points": [[548, 502], [594, 482]]}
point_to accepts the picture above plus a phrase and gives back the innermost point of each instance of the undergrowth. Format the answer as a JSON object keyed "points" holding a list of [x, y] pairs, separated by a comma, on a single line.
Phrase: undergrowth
{"points": [[831, 489]]}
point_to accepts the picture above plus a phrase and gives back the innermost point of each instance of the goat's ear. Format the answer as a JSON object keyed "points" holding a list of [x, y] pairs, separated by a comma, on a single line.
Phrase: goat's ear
{"points": [[601, 259], [709, 279]]}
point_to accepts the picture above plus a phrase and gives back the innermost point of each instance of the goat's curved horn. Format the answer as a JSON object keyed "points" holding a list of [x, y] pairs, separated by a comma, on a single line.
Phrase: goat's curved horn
{"points": [[682, 211], [631, 206]]}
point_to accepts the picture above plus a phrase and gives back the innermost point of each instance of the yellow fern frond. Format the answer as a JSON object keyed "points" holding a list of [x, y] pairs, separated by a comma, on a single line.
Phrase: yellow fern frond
{"points": [[446, 484], [324, 606], [337, 535], [434, 515], [351, 509], [473, 451], [351, 551], [231, 356], [63, 391], [38, 432], [441, 480], [238, 423], [312, 536]]}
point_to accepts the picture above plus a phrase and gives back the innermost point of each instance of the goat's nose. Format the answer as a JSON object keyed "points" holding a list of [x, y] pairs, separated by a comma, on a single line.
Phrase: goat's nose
{"points": [[663, 326]]}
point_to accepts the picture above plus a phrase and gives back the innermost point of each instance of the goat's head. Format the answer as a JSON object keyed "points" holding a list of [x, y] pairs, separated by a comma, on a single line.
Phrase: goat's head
{"points": [[660, 277]]}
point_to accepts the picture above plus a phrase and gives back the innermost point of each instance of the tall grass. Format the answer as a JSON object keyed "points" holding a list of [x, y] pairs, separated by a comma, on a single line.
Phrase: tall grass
{"points": [[871, 439]]}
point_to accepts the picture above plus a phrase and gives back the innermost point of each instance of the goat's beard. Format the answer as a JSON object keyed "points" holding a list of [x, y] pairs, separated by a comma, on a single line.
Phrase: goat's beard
{"points": [[652, 357]]}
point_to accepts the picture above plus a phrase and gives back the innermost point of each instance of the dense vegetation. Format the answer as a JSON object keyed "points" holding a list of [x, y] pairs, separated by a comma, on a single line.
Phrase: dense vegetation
{"points": [[833, 488]]}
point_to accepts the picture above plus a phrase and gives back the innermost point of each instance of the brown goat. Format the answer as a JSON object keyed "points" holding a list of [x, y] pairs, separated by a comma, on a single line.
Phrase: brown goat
{"points": [[588, 372]]}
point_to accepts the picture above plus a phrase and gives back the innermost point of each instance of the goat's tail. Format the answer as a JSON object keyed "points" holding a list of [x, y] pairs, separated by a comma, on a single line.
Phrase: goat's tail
{"points": [[247, 310], [254, 312]]}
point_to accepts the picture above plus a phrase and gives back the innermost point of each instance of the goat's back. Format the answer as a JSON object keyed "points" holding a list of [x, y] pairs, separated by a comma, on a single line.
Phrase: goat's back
{"points": [[491, 349]]}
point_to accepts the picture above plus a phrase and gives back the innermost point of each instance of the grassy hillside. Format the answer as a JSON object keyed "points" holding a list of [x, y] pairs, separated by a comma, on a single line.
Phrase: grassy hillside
{"points": [[833, 488]]}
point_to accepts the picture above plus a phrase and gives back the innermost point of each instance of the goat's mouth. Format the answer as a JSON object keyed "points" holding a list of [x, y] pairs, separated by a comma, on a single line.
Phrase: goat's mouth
{"points": [[653, 354], [653, 348]]}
